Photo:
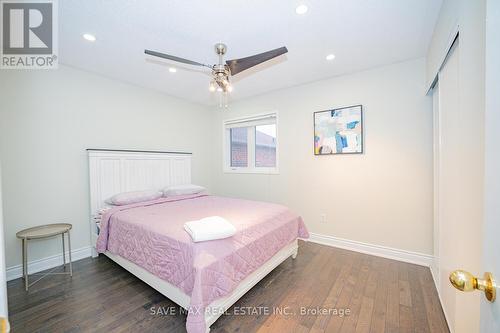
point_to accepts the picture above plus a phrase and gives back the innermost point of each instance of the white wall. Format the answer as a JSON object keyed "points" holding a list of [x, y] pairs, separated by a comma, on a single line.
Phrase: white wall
{"points": [[3, 283], [49, 118], [383, 197], [460, 234]]}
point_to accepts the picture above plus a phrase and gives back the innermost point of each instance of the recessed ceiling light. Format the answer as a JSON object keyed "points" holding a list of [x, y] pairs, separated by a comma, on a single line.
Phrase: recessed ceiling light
{"points": [[172, 69], [330, 57], [89, 37], [301, 9]]}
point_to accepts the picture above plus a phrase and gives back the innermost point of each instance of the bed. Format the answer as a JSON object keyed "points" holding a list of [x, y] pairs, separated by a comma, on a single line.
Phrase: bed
{"points": [[148, 239]]}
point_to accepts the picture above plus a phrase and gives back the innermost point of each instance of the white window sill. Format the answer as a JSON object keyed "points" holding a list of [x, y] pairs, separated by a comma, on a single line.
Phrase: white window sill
{"points": [[260, 171]]}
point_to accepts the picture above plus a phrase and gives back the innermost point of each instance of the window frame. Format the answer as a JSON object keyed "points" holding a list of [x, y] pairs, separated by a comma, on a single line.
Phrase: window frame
{"points": [[226, 145]]}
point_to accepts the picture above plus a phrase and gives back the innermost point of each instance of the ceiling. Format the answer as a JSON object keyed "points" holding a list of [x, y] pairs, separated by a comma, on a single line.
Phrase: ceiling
{"points": [[361, 33]]}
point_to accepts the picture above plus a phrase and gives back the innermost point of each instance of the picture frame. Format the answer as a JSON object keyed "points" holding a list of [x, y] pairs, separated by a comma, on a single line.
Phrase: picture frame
{"points": [[339, 131]]}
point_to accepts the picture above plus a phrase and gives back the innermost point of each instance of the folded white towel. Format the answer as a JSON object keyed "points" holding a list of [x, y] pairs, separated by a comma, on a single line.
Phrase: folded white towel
{"points": [[209, 228]]}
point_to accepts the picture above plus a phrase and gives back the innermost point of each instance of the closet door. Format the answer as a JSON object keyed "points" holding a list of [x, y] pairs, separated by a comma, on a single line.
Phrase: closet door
{"points": [[460, 199], [436, 169], [450, 156]]}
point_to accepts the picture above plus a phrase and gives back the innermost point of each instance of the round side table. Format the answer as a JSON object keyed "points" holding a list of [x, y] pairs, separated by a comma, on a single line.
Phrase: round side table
{"points": [[44, 231]]}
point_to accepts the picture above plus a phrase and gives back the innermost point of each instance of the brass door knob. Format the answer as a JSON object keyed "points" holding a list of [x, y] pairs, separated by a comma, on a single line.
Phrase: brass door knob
{"points": [[465, 281]]}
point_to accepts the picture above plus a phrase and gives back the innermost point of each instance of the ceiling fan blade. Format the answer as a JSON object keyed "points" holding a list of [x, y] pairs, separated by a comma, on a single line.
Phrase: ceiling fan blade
{"points": [[174, 58], [239, 65]]}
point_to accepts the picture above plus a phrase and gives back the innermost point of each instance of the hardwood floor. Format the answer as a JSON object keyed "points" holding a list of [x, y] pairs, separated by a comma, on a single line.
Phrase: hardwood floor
{"points": [[357, 292]]}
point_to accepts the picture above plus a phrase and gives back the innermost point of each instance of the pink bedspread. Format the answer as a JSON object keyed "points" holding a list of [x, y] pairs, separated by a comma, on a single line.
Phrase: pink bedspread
{"points": [[151, 235]]}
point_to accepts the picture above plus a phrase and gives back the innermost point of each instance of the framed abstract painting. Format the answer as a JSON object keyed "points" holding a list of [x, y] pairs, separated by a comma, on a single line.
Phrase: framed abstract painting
{"points": [[339, 131]]}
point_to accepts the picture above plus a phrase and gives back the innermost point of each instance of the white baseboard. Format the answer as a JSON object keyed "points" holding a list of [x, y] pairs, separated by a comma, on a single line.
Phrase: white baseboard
{"points": [[39, 265], [375, 250]]}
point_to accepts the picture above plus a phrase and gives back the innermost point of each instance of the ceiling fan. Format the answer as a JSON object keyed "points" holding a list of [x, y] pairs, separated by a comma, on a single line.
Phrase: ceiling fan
{"points": [[222, 72]]}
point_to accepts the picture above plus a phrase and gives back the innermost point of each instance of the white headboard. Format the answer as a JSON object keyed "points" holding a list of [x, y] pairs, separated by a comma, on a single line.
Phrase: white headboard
{"points": [[115, 171]]}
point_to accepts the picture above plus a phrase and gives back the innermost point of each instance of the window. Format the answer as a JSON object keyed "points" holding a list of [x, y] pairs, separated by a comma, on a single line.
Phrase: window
{"points": [[251, 144]]}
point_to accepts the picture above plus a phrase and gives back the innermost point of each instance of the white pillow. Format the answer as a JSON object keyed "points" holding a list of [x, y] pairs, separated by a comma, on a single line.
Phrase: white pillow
{"points": [[127, 198], [182, 190]]}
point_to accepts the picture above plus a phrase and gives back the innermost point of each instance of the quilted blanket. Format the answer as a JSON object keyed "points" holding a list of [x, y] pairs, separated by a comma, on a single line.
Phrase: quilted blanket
{"points": [[151, 235]]}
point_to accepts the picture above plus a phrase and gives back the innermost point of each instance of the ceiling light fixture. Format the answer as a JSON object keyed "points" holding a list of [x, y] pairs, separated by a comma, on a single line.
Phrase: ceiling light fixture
{"points": [[330, 57], [301, 9], [89, 37], [224, 70]]}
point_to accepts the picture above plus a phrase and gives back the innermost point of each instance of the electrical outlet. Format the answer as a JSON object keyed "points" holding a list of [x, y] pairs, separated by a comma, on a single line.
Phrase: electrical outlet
{"points": [[322, 218]]}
